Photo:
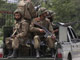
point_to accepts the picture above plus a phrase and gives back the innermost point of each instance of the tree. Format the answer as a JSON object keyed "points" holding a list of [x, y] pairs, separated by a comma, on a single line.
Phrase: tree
{"points": [[6, 11], [66, 11]]}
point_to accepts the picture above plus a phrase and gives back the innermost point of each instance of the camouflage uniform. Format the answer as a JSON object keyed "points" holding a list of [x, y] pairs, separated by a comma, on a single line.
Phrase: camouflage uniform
{"points": [[20, 33], [21, 36], [44, 23], [22, 29], [37, 38], [50, 15]]}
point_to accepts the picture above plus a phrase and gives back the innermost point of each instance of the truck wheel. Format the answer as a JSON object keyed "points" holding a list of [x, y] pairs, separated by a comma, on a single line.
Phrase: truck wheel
{"points": [[69, 57]]}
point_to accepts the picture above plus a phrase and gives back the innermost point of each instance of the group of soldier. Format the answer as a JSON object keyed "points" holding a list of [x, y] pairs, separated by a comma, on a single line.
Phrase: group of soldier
{"points": [[25, 18]]}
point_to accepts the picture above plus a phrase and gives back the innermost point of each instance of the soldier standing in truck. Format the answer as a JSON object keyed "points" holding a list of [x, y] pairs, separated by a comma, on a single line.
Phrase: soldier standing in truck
{"points": [[28, 8]]}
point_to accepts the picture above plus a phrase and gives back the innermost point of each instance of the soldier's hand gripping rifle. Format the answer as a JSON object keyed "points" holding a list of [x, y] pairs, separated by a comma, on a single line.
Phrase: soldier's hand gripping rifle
{"points": [[47, 32]]}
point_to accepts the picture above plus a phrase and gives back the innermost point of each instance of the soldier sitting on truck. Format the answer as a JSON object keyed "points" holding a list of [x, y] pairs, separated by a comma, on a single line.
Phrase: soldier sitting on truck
{"points": [[39, 32], [50, 16], [20, 34]]}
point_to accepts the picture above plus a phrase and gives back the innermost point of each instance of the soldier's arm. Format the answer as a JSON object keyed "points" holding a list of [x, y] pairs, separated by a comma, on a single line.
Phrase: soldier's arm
{"points": [[50, 25], [25, 29], [51, 30], [33, 28]]}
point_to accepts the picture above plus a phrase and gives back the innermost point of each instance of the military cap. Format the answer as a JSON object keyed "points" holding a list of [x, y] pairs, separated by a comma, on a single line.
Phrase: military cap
{"points": [[18, 11], [50, 13]]}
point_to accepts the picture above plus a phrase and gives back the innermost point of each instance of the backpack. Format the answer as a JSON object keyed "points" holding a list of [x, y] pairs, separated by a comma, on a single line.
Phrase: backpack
{"points": [[28, 9]]}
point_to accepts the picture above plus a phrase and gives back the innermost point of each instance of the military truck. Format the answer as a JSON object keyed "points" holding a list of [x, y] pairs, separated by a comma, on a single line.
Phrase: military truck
{"points": [[67, 46]]}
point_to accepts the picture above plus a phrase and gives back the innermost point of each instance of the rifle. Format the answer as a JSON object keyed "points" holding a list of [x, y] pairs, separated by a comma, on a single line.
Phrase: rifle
{"points": [[37, 7], [47, 33], [14, 33]]}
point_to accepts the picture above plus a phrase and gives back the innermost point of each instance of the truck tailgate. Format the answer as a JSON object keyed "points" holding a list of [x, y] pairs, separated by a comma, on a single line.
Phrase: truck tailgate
{"points": [[28, 59]]}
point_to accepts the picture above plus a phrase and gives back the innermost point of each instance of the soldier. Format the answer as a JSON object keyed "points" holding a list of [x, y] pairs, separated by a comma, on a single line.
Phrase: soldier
{"points": [[50, 16], [42, 20], [20, 33], [28, 8]]}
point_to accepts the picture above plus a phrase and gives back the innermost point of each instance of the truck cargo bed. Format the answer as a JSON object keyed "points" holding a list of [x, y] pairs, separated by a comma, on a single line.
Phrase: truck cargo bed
{"points": [[28, 59]]}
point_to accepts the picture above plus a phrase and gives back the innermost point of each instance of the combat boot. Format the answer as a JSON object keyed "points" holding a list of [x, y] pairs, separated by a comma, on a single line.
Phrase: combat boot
{"points": [[37, 53], [52, 52], [10, 52], [14, 54]]}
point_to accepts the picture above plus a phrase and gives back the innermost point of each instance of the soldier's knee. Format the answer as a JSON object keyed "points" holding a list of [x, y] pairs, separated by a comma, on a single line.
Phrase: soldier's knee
{"points": [[7, 40], [36, 37], [52, 37], [49, 37], [14, 46]]}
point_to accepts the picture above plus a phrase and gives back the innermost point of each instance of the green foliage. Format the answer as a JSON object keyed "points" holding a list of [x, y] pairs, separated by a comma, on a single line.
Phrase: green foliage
{"points": [[66, 11], [8, 7], [0, 15]]}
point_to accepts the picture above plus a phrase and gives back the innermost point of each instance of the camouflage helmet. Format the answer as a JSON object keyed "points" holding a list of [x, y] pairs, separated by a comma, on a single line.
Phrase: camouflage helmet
{"points": [[18, 11], [42, 10], [50, 13]]}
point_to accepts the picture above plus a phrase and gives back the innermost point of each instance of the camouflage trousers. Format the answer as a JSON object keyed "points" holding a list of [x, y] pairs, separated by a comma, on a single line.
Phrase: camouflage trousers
{"points": [[50, 42], [13, 42]]}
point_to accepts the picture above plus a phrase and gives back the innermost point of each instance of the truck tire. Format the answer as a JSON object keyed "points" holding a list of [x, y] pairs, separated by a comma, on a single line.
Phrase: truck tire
{"points": [[69, 57]]}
